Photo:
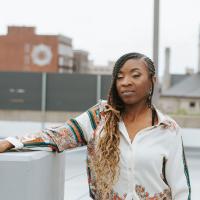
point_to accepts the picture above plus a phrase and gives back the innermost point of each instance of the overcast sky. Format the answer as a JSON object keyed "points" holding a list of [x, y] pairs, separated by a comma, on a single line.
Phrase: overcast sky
{"points": [[109, 28]]}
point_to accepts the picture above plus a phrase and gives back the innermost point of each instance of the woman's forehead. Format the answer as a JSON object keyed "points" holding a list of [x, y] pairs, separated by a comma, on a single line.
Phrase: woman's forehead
{"points": [[134, 65]]}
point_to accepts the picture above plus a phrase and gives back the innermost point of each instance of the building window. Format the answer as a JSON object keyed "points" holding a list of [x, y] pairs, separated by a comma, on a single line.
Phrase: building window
{"points": [[192, 104]]}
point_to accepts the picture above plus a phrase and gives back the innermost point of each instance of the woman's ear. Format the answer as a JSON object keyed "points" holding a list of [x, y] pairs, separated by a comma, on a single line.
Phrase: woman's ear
{"points": [[154, 79]]}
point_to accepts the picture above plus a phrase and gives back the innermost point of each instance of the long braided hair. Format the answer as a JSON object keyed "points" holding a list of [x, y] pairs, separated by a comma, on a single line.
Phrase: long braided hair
{"points": [[106, 164]]}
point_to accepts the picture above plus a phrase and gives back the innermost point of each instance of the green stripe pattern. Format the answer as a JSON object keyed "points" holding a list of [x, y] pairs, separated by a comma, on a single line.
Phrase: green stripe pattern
{"points": [[80, 131], [92, 120], [186, 172]]}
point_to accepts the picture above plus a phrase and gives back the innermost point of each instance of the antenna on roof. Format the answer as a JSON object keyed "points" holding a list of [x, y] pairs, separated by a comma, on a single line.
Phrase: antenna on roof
{"points": [[199, 51]]}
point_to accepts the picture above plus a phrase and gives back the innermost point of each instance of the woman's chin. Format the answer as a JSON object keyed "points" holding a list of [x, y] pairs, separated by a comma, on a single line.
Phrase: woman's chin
{"points": [[129, 101]]}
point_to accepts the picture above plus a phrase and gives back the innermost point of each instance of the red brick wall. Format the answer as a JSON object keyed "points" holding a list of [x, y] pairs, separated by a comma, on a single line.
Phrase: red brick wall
{"points": [[17, 46]]}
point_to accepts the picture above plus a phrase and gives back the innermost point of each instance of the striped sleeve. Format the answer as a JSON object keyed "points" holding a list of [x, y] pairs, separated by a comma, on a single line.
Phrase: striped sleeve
{"points": [[177, 170], [89, 120], [77, 132], [74, 133]]}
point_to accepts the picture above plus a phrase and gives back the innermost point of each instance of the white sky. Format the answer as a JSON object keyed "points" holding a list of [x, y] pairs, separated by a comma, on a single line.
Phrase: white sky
{"points": [[109, 28]]}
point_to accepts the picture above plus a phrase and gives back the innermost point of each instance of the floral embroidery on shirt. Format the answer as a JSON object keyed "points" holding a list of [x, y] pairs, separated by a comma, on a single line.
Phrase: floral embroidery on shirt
{"points": [[143, 195], [172, 125], [115, 196]]}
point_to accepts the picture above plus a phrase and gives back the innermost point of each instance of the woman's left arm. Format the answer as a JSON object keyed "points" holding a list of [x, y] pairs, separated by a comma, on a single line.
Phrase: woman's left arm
{"points": [[177, 174]]}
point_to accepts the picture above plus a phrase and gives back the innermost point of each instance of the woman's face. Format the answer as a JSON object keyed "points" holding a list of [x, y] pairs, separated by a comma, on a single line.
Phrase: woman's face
{"points": [[133, 83]]}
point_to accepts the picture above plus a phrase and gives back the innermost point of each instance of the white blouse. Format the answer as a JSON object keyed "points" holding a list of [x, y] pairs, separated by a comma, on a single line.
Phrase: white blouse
{"points": [[152, 166]]}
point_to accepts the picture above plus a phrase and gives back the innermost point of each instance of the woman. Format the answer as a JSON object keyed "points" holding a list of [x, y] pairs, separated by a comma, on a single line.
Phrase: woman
{"points": [[134, 151]]}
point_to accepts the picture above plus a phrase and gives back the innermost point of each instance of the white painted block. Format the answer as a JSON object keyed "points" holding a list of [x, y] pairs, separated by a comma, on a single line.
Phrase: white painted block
{"points": [[34, 175]]}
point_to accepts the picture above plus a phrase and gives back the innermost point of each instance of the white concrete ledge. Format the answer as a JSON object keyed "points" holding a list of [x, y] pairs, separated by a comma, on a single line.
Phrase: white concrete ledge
{"points": [[35, 175]]}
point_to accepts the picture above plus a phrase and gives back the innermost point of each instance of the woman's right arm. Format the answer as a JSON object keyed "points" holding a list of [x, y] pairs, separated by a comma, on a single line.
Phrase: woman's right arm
{"points": [[58, 138], [73, 133]]}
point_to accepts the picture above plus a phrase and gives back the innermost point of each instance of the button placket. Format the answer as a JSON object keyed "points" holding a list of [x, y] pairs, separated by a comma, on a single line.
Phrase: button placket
{"points": [[133, 160], [130, 168]]}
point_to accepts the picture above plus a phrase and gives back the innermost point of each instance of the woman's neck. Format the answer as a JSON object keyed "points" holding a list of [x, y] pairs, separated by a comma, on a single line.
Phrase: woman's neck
{"points": [[131, 112]]}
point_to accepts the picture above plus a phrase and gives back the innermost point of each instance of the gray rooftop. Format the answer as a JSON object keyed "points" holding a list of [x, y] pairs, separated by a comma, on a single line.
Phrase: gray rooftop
{"points": [[176, 78], [188, 86]]}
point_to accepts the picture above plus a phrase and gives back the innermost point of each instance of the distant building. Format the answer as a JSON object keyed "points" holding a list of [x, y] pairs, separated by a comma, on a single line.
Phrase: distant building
{"points": [[23, 50], [180, 92], [101, 69], [80, 61], [82, 64], [183, 96]]}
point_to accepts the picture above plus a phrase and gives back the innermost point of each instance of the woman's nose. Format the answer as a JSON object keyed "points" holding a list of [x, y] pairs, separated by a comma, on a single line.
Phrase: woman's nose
{"points": [[126, 81]]}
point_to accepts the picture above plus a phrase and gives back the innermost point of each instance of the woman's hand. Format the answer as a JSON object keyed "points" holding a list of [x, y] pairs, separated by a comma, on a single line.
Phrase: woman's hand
{"points": [[5, 145]]}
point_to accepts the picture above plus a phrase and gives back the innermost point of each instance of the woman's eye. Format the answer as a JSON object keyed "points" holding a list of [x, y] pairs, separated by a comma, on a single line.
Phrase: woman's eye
{"points": [[119, 77], [136, 75]]}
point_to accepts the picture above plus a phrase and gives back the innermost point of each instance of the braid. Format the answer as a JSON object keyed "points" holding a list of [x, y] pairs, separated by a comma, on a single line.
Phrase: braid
{"points": [[106, 162], [152, 72], [119, 63]]}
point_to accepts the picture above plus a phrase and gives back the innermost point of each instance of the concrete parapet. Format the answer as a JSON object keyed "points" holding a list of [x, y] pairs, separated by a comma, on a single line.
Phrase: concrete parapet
{"points": [[186, 121]]}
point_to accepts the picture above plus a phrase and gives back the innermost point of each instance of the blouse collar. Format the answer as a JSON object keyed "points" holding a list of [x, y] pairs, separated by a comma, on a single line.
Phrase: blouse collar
{"points": [[163, 119]]}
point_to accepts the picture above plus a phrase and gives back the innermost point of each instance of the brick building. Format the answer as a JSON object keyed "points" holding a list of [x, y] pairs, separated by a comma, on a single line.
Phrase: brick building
{"points": [[23, 50]]}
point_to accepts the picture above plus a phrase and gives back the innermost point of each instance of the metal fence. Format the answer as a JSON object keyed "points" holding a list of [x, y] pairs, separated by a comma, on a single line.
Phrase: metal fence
{"points": [[51, 91]]}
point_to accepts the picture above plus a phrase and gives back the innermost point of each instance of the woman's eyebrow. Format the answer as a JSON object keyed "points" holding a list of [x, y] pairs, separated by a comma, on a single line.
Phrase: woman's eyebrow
{"points": [[135, 69], [132, 70]]}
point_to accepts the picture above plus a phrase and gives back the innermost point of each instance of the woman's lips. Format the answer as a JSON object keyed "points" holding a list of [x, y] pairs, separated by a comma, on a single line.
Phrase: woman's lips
{"points": [[128, 93]]}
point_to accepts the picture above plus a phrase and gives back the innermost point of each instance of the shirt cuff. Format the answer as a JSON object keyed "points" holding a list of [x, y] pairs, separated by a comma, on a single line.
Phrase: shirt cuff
{"points": [[15, 142]]}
